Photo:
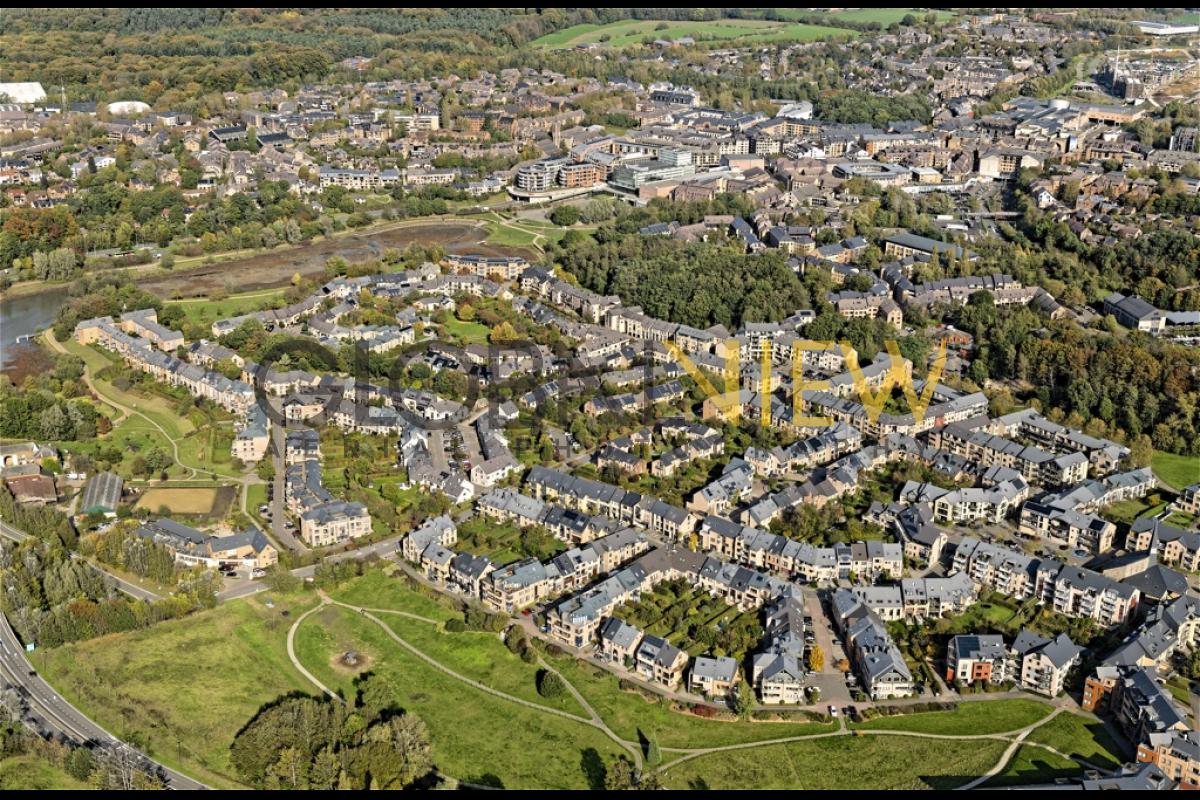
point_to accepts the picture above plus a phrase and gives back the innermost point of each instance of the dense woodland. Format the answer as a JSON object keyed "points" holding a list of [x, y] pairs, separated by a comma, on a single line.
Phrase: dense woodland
{"points": [[1110, 381], [309, 743], [51, 598]]}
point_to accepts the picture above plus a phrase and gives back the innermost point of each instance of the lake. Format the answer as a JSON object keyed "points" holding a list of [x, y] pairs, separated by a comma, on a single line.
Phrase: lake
{"points": [[20, 316]]}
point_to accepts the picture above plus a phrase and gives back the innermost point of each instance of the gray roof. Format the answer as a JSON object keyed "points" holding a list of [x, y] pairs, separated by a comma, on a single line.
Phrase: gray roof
{"points": [[102, 493], [620, 633], [720, 668]]}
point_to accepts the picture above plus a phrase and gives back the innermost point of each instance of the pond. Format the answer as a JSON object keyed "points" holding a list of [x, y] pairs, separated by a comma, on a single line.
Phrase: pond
{"points": [[24, 316]]}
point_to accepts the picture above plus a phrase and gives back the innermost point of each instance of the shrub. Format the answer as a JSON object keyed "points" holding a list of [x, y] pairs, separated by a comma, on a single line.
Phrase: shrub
{"points": [[549, 685], [515, 640]]}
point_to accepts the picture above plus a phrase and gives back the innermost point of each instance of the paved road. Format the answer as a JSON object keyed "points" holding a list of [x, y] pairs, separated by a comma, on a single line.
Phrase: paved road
{"points": [[385, 548], [49, 713], [279, 512]]}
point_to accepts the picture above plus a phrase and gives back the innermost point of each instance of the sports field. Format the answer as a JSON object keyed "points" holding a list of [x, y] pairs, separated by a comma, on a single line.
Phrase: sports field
{"points": [[180, 501]]}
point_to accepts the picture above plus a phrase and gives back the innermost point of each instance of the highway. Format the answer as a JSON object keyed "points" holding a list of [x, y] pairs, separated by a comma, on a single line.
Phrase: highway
{"points": [[50, 714]]}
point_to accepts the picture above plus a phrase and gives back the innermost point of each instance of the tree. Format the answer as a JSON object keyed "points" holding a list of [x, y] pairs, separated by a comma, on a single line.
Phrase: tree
{"points": [[653, 753], [743, 704], [816, 658], [312, 743], [80, 764], [503, 332], [620, 775], [565, 216], [549, 685]]}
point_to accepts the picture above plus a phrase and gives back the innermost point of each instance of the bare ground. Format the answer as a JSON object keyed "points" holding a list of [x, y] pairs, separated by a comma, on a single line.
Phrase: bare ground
{"points": [[271, 269]]}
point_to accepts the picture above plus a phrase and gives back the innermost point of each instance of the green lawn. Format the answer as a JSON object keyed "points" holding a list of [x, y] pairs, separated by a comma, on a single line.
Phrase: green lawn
{"points": [[884, 16], [508, 236], [842, 762], [476, 737], [505, 542], [30, 773], [157, 408], [1127, 511], [133, 435], [203, 311], [376, 590], [627, 713], [478, 655], [1080, 737], [256, 495], [1180, 520], [626, 33], [1034, 765], [182, 689], [1176, 471], [466, 332], [1178, 686], [203, 442], [968, 718]]}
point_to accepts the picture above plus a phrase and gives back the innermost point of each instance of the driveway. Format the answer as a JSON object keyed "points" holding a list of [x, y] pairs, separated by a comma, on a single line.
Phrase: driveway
{"points": [[830, 681]]}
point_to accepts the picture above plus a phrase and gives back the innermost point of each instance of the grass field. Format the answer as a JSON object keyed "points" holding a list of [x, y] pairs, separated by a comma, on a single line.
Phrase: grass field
{"points": [[466, 332], [1031, 765], [843, 762], [203, 311], [625, 712], [1077, 737], [183, 689], [476, 737], [1081, 738], [202, 439], [30, 773], [480, 656], [376, 590], [626, 33], [1127, 511], [884, 16], [968, 718], [628, 713], [179, 501], [131, 436], [1176, 471], [529, 233]]}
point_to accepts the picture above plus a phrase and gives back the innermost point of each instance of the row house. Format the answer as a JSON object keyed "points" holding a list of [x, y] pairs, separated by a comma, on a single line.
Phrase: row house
{"points": [[971, 440], [595, 497], [880, 665], [916, 599], [1174, 546]]}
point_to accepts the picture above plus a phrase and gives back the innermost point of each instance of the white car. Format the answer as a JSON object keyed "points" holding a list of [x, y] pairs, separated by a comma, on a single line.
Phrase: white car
{"points": [[833, 711]]}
